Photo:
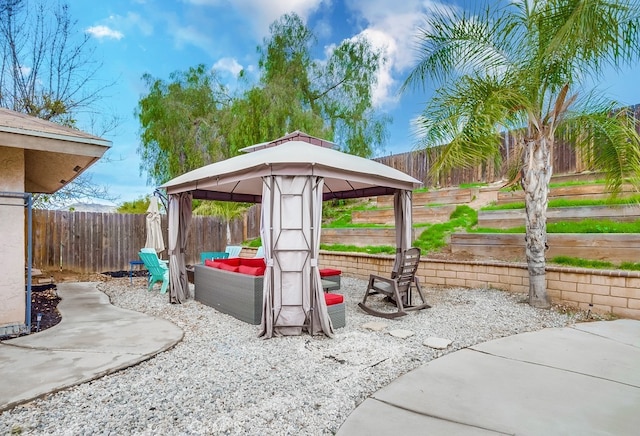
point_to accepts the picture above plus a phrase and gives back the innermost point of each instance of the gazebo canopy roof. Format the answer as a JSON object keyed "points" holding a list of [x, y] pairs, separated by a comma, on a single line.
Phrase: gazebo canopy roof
{"points": [[240, 178]]}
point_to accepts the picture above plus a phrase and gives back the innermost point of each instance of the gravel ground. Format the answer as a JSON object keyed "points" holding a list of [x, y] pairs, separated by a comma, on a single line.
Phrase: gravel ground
{"points": [[222, 379]]}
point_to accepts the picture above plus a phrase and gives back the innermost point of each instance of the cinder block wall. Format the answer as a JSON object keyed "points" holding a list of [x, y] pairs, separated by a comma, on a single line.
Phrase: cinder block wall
{"points": [[613, 292]]}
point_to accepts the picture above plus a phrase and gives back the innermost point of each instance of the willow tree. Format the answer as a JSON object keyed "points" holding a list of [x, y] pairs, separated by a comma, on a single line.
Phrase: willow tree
{"points": [[179, 121], [522, 67], [331, 99]]}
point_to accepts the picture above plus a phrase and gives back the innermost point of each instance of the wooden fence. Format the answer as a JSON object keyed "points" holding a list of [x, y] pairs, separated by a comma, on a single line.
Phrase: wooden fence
{"points": [[90, 242], [418, 163]]}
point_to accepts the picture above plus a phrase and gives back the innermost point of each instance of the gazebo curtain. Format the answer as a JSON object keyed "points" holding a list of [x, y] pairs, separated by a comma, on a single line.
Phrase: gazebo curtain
{"points": [[179, 225], [403, 220], [293, 298]]}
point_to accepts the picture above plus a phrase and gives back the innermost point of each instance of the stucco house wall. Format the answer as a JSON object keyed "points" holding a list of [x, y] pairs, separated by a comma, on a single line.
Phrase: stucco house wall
{"points": [[36, 156], [12, 238]]}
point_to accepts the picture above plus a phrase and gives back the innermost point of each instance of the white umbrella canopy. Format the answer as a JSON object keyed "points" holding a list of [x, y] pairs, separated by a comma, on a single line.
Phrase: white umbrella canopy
{"points": [[154, 229]]}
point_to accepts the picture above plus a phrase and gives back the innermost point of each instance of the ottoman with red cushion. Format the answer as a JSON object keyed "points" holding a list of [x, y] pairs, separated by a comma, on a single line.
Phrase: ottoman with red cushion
{"points": [[335, 307], [331, 275]]}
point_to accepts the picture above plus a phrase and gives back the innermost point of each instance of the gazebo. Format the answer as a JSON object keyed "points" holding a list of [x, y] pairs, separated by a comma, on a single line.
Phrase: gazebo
{"points": [[291, 177]]}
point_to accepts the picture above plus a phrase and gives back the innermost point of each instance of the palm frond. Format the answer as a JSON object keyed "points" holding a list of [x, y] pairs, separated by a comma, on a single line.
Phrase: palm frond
{"points": [[453, 43], [468, 117], [610, 138]]}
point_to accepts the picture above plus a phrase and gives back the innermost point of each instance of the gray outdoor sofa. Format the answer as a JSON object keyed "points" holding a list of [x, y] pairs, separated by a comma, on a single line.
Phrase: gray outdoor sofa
{"points": [[240, 295]]}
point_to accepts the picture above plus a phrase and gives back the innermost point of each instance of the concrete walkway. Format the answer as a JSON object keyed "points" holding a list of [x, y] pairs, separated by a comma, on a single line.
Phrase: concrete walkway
{"points": [[582, 380], [93, 339]]}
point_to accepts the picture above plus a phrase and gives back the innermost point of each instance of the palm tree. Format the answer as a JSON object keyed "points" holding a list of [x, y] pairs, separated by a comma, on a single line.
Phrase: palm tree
{"points": [[520, 67], [227, 210]]}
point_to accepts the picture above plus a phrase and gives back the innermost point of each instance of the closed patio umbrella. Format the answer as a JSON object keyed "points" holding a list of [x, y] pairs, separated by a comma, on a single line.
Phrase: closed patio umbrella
{"points": [[154, 230]]}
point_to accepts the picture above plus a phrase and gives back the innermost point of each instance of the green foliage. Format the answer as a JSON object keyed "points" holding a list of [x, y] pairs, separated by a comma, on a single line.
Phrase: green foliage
{"points": [[179, 120], [584, 226], [337, 213], [376, 249], [630, 266], [472, 185], [565, 202], [594, 226], [576, 183], [139, 205], [227, 210], [254, 243], [582, 263], [435, 236]]}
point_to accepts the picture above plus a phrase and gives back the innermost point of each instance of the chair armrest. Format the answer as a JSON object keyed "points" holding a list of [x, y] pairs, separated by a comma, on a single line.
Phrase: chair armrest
{"points": [[373, 278]]}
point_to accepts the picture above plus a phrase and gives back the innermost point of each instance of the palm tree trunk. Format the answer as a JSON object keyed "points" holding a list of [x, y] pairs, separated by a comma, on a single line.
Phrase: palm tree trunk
{"points": [[536, 174]]}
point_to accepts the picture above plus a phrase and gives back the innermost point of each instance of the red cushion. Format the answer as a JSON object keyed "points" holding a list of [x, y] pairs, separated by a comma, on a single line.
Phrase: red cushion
{"points": [[226, 267], [233, 261], [215, 263], [332, 299], [329, 272], [251, 270], [253, 262]]}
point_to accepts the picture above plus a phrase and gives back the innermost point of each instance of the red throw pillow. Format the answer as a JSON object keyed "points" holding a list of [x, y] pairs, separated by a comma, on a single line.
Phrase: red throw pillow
{"points": [[253, 261], [326, 272], [251, 270], [233, 261], [226, 267], [332, 299], [214, 263]]}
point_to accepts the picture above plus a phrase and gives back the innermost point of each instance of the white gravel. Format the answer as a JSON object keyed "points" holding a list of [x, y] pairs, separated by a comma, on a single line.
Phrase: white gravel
{"points": [[222, 379]]}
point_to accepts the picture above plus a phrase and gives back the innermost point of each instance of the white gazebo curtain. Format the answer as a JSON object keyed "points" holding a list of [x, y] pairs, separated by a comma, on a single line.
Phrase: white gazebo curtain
{"points": [[402, 204], [293, 297], [179, 225]]}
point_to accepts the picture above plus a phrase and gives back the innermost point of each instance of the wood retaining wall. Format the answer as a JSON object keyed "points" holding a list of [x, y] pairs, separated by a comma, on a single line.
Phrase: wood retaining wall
{"points": [[506, 219], [422, 214], [613, 292], [440, 196], [611, 247], [587, 192], [360, 237]]}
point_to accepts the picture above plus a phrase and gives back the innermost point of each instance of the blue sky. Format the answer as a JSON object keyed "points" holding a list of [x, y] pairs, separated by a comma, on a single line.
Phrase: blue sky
{"points": [[133, 37]]}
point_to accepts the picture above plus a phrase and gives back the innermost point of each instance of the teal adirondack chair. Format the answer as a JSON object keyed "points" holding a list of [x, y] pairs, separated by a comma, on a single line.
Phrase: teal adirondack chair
{"points": [[213, 255], [158, 269], [233, 250]]}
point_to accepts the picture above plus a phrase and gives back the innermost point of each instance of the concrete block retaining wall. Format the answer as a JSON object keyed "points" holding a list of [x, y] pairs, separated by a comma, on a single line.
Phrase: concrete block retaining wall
{"points": [[614, 292]]}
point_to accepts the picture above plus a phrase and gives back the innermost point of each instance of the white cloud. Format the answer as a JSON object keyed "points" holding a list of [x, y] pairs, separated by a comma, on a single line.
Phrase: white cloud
{"points": [[391, 27], [261, 13], [383, 91], [228, 64], [190, 35], [135, 20], [102, 32]]}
